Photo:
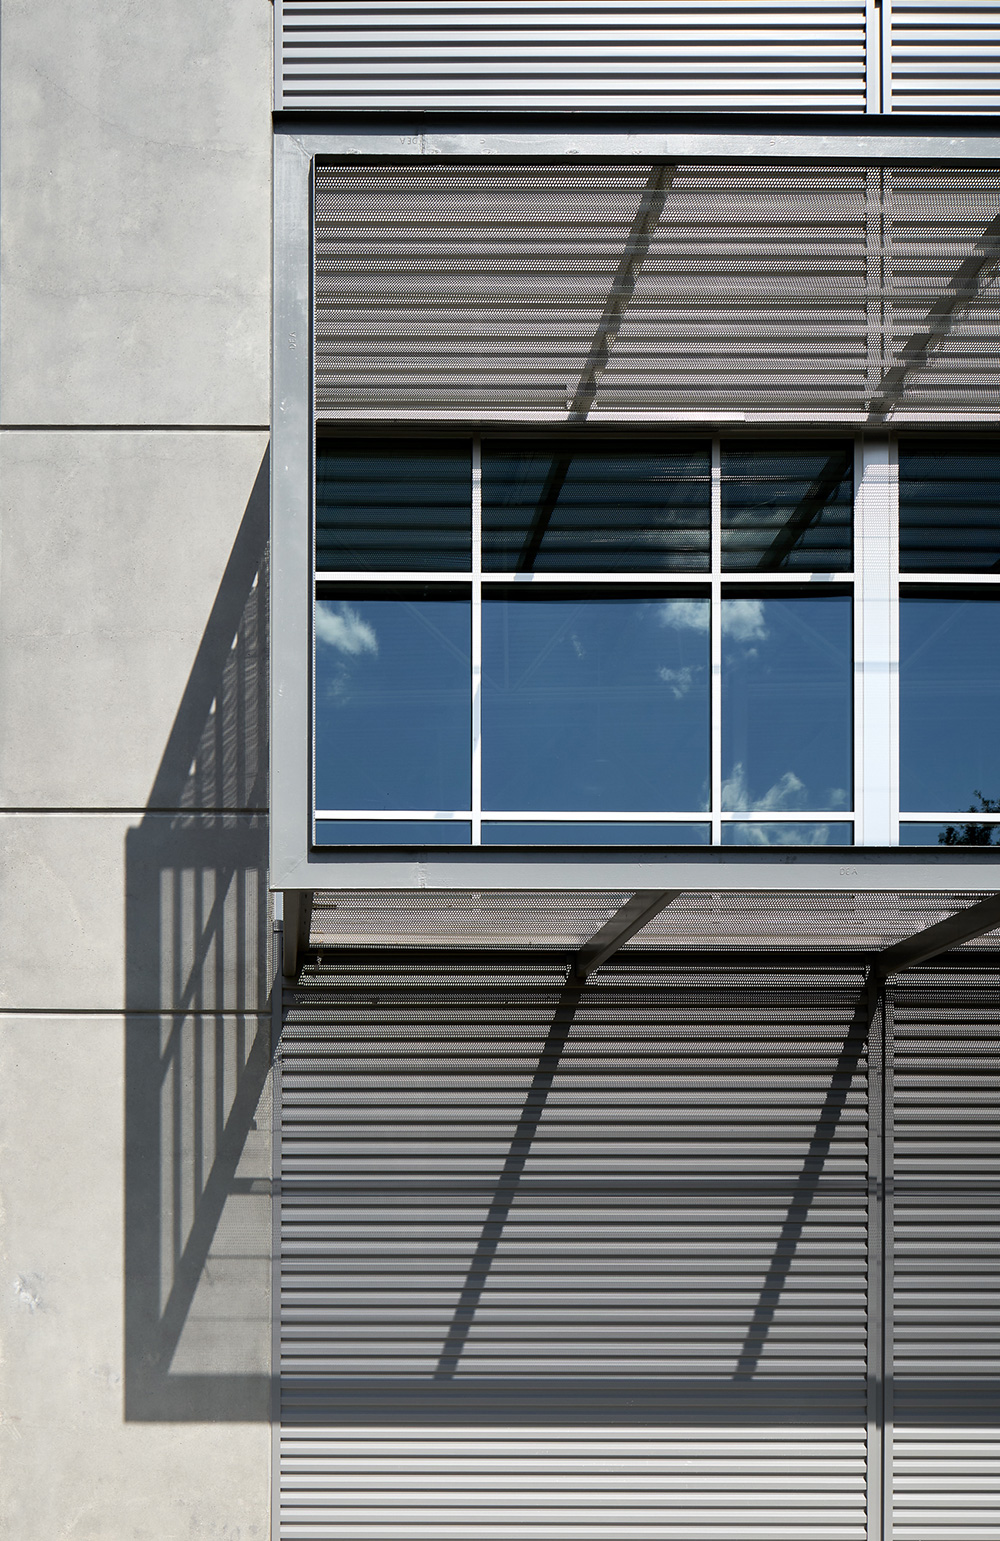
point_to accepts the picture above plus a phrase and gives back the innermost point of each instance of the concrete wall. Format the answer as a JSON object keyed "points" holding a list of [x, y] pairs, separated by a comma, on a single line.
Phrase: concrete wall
{"points": [[134, 971]]}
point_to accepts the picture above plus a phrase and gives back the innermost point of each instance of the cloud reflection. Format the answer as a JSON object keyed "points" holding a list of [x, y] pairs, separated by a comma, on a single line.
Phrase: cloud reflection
{"points": [[787, 792], [743, 620], [679, 680], [685, 614], [342, 628]]}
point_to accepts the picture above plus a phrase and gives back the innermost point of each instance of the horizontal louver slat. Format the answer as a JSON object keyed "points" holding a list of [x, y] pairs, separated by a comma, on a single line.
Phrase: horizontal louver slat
{"points": [[590, 1270], [733, 55], [533, 292], [945, 58], [946, 1289]]}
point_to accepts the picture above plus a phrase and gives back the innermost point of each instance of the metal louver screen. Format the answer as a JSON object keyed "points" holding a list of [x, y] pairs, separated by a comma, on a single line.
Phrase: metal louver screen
{"points": [[631, 292], [736, 55], [945, 57], [946, 1233], [582, 1263]]}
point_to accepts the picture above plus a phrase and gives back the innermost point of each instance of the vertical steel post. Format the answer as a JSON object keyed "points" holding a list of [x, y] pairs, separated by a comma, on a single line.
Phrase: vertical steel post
{"points": [[875, 1006], [277, 983], [873, 56]]}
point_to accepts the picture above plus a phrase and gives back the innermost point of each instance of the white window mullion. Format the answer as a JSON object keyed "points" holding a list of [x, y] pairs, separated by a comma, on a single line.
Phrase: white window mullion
{"points": [[477, 642], [893, 500], [716, 644], [876, 643]]}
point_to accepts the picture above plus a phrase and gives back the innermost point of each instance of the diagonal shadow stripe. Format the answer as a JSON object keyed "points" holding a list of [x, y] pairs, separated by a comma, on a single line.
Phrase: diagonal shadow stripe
{"points": [[808, 511], [636, 249], [218, 1187], [919, 350], [510, 1176], [807, 1183]]}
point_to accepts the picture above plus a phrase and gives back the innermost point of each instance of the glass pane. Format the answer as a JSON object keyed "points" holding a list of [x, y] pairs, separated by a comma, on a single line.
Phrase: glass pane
{"points": [[787, 507], [972, 833], [949, 704], [949, 507], [786, 704], [595, 834], [625, 508], [393, 506], [787, 834], [393, 685], [393, 832], [595, 705]]}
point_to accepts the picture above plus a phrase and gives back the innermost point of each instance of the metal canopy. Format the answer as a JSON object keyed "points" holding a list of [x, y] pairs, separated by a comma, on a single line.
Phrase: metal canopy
{"points": [[964, 925], [885, 931]]}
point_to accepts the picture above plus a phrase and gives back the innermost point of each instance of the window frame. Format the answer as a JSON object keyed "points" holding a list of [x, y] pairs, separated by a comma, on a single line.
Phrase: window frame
{"points": [[483, 584], [874, 862]]}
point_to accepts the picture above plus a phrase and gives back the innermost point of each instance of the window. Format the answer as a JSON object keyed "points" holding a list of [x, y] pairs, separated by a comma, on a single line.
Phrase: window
{"points": [[561, 397], [583, 642], [949, 624]]}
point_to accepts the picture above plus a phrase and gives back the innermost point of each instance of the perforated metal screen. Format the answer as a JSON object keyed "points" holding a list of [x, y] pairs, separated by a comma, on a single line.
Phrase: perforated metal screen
{"points": [[863, 922], [684, 1251], [535, 291], [572, 1264]]}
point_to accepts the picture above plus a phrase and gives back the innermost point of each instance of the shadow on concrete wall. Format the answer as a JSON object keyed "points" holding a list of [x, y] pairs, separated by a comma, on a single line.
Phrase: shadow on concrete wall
{"points": [[197, 1160]]}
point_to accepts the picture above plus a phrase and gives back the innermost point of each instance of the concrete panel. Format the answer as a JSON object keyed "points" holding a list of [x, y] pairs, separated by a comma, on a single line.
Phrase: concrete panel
{"points": [[101, 912], [76, 1463], [133, 626], [135, 193]]}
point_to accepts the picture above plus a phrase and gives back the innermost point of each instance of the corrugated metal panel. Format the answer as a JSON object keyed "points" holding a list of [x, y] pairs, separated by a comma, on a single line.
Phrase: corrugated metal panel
{"points": [[575, 1264], [945, 58], [736, 55], [946, 1392], [526, 291]]}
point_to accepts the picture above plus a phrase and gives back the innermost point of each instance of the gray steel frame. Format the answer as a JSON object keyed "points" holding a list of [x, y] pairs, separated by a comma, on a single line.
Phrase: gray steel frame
{"points": [[294, 866]]}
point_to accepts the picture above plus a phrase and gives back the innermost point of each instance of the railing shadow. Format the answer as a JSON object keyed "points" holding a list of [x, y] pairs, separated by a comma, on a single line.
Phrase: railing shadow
{"points": [[197, 1038]]}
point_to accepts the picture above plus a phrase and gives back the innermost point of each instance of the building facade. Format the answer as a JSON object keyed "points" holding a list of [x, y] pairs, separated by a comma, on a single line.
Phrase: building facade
{"points": [[500, 988]]}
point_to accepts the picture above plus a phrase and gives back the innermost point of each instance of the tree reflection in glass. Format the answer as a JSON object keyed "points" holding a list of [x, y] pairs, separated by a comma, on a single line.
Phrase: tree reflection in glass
{"points": [[949, 703]]}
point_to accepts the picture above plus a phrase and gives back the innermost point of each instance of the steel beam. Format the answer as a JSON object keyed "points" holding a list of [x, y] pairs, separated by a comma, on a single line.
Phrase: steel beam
{"points": [[624, 923], [726, 869], [295, 938], [965, 924], [954, 140]]}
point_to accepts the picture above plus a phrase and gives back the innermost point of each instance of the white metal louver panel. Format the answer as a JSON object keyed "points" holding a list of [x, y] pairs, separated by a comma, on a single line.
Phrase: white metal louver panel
{"points": [[945, 57], [946, 1294], [602, 292], [721, 55], [561, 1264]]}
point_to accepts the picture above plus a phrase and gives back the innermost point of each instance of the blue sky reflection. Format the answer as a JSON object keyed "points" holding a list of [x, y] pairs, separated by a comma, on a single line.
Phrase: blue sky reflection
{"points": [[786, 704], [595, 705], [393, 717]]}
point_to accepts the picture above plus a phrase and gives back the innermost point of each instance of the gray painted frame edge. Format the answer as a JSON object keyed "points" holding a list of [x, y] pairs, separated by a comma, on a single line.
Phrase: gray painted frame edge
{"points": [[420, 139], [721, 870], [292, 864], [291, 604]]}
